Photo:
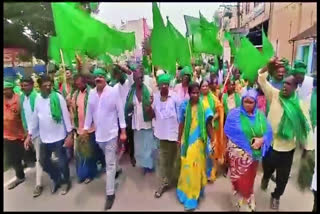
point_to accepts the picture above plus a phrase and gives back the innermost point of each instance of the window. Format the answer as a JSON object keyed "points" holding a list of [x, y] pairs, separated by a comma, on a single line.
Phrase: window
{"points": [[256, 4], [247, 8]]}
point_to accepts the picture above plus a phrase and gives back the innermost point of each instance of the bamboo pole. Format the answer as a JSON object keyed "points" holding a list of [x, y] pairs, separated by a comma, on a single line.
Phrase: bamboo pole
{"points": [[63, 66]]}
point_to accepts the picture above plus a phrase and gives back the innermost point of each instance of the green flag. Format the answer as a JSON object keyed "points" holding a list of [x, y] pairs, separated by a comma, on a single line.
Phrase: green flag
{"points": [[181, 46], [267, 48], [192, 25], [77, 30], [229, 38], [54, 52], [162, 45]]}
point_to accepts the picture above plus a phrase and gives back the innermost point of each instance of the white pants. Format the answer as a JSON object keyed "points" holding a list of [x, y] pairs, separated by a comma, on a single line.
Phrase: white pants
{"points": [[39, 171], [109, 149]]}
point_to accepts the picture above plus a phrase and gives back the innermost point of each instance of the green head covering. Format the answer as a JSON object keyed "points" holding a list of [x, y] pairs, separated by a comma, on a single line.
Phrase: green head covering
{"points": [[164, 79], [213, 69], [7, 84], [299, 67], [286, 64], [99, 72], [133, 67], [187, 70]]}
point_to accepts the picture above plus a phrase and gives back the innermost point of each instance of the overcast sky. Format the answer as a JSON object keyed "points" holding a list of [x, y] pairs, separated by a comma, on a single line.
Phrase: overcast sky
{"points": [[113, 13]]}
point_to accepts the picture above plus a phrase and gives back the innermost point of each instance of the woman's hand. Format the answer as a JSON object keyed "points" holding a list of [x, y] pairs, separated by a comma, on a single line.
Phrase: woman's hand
{"points": [[257, 143]]}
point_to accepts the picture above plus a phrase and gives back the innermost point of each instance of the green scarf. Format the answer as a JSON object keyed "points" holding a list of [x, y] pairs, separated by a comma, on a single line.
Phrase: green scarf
{"points": [[76, 118], [252, 130], [293, 122], [145, 101], [55, 106], [187, 126], [212, 107], [313, 108], [32, 96], [225, 103]]}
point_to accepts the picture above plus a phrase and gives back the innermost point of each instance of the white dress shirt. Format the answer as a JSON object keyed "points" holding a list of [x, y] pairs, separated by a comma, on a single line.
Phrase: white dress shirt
{"points": [[124, 88], [305, 89], [26, 105], [138, 122], [50, 131], [166, 124], [104, 112]]}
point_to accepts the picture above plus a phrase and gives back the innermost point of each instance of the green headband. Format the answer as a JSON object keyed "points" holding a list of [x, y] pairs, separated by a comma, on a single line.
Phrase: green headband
{"points": [[186, 71], [7, 84], [99, 72], [164, 79]]}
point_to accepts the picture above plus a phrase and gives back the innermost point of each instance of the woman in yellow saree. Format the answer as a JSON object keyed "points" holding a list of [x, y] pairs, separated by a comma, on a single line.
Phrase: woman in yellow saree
{"points": [[194, 128]]}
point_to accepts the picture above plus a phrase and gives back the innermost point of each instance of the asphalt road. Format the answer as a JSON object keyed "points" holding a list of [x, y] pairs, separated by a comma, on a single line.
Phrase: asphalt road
{"points": [[135, 192]]}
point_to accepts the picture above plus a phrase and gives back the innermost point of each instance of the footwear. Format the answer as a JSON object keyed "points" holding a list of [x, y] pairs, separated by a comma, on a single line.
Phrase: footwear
{"points": [[252, 203], [133, 162], [15, 183], [109, 202], [88, 180], [163, 187], [65, 188], [55, 186], [37, 191], [264, 184], [274, 203], [118, 173]]}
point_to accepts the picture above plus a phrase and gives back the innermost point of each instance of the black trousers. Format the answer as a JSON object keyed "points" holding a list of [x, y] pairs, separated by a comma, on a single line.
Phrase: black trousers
{"points": [[14, 153], [130, 143], [280, 162], [315, 201]]}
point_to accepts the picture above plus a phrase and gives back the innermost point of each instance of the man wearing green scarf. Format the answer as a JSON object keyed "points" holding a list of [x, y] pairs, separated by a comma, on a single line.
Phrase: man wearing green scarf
{"points": [[27, 100], [138, 107], [105, 111], [289, 125], [51, 120], [13, 133]]}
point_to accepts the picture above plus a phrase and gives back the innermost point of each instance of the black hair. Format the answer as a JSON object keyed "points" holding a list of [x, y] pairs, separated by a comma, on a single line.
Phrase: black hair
{"points": [[83, 77], [192, 86], [294, 79], [180, 67], [27, 79], [44, 78], [208, 80]]}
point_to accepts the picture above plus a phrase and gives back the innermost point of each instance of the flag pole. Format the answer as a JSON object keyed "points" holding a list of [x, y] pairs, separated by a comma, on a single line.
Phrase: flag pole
{"points": [[63, 66]]}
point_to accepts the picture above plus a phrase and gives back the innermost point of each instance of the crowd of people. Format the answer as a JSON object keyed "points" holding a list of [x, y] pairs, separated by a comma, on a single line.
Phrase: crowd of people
{"points": [[205, 122]]}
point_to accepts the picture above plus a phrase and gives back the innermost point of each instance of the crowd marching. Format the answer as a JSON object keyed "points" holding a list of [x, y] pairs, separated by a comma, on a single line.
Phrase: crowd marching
{"points": [[203, 121]]}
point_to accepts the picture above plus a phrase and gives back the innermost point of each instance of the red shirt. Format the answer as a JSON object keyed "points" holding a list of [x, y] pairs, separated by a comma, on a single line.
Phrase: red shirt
{"points": [[12, 123]]}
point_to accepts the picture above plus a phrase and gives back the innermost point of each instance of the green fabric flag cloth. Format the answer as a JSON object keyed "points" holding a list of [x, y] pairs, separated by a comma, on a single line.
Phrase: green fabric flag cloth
{"points": [[181, 46], [105, 58], [145, 101], [206, 40], [162, 43], [187, 126], [299, 67], [76, 117], [257, 129], [32, 97], [293, 122], [237, 100], [146, 64], [54, 52], [187, 70], [96, 38], [55, 106], [267, 48], [229, 38], [313, 108], [192, 25], [249, 68], [164, 79]]}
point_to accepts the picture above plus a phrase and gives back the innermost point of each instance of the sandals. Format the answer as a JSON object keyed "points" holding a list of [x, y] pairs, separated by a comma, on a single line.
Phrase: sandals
{"points": [[161, 190], [88, 180], [15, 183]]}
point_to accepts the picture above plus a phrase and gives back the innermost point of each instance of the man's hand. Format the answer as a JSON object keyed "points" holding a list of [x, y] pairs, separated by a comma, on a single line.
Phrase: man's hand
{"points": [[68, 142], [27, 142], [257, 143], [123, 136]]}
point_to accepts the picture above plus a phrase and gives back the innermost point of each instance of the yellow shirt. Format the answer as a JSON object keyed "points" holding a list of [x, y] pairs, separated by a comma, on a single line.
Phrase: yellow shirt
{"points": [[275, 115]]}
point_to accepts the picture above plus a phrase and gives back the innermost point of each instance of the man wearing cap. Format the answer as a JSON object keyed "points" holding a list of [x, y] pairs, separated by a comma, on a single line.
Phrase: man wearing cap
{"points": [[104, 105], [13, 133], [165, 107], [28, 99]]}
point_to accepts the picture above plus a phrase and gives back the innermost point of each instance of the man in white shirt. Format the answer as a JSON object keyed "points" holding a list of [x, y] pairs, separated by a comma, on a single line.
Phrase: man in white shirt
{"points": [[28, 100], [52, 120], [104, 109], [165, 107]]}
